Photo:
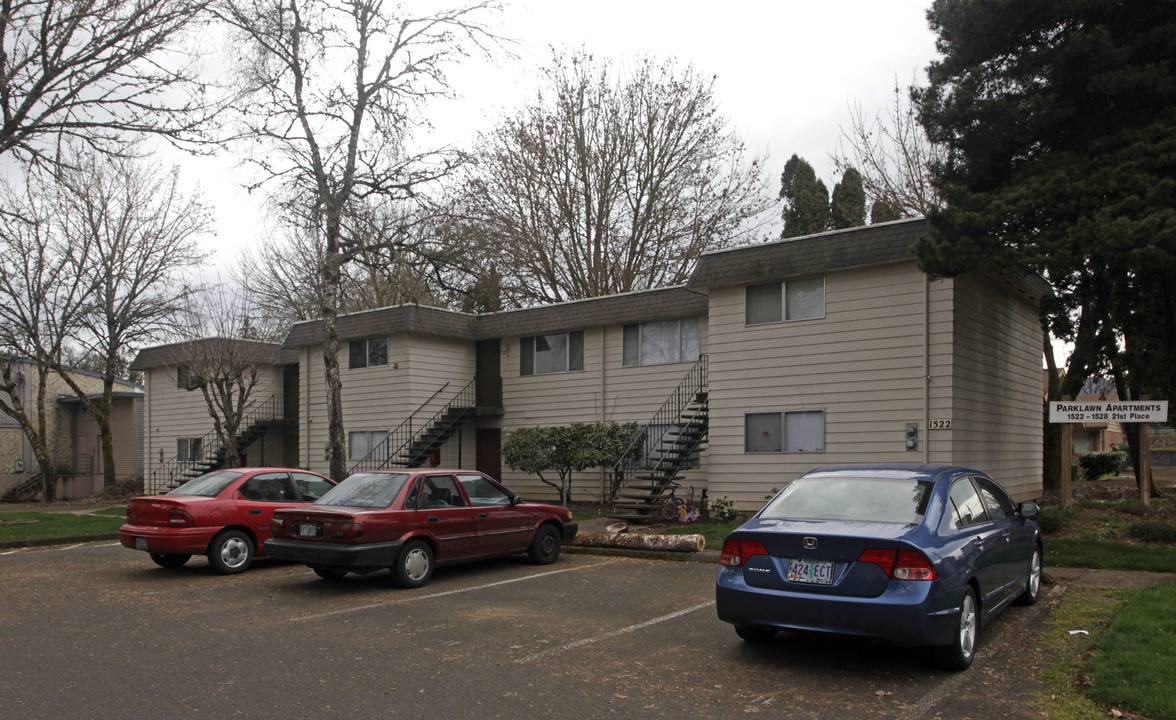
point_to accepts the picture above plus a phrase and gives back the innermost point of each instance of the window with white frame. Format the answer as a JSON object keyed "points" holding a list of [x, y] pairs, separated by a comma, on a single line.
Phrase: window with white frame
{"points": [[799, 299], [794, 431], [372, 352], [555, 353], [362, 443], [188, 449], [658, 343]]}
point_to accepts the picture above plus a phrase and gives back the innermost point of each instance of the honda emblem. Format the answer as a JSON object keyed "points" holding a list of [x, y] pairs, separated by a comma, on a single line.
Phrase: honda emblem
{"points": [[810, 543]]}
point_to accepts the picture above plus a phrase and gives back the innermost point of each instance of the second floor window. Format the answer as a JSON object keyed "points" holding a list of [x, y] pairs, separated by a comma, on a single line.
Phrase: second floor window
{"points": [[657, 343], [368, 353], [556, 353], [800, 299]]}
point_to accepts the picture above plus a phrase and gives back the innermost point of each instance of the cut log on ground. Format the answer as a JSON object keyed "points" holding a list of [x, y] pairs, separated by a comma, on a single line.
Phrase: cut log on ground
{"points": [[639, 541]]}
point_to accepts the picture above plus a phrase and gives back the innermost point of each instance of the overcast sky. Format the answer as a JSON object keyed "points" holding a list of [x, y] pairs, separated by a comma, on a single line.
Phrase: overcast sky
{"points": [[787, 74]]}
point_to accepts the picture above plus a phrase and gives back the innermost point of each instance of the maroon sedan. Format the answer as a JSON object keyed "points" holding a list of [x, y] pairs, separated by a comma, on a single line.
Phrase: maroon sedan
{"points": [[223, 514], [412, 520]]}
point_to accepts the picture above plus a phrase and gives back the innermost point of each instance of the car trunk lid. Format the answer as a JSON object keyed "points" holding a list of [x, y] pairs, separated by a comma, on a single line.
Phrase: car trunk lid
{"points": [[819, 557]]}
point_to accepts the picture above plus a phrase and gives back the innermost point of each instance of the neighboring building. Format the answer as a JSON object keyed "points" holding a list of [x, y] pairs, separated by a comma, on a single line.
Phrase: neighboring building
{"points": [[179, 436], [74, 440], [779, 357]]}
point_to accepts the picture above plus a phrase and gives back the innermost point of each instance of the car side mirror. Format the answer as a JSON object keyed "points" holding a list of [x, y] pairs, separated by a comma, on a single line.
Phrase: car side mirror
{"points": [[1029, 509], [515, 499]]}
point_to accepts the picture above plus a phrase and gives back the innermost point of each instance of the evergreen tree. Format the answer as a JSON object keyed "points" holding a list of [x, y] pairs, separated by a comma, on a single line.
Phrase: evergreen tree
{"points": [[806, 199], [883, 211], [848, 206], [1059, 121]]}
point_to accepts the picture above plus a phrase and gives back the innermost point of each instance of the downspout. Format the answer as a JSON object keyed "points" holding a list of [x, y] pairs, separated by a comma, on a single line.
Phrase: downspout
{"points": [[927, 367]]}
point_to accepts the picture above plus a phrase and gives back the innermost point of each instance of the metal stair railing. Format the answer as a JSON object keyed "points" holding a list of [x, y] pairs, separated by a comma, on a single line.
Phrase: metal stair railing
{"points": [[670, 413], [410, 432], [212, 450], [378, 456]]}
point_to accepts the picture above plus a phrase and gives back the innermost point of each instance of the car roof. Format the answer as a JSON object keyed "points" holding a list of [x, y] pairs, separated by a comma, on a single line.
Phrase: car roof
{"points": [[912, 471]]}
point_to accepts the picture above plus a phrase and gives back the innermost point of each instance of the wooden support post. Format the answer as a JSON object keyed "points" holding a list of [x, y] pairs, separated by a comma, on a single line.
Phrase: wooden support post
{"points": [[1145, 477], [1067, 456]]}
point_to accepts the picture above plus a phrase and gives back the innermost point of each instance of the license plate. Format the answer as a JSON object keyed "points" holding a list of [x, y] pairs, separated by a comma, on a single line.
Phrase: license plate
{"points": [[816, 572], [140, 543], [307, 530]]}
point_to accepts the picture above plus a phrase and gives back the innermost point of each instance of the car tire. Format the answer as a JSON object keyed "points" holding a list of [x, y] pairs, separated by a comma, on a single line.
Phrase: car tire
{"points": [[330, 574], [1033, 586], [231, 552], [959, 654], [169, 560], [545, 546], [414, 567], [755, 634]]}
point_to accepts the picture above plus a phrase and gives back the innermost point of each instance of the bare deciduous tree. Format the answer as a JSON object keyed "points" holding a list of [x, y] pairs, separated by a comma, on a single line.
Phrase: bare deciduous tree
{"points": [[893, 155], [611, 181], [226, 354], [94, 258], [332, 94], [90, 73], [41, 299]]}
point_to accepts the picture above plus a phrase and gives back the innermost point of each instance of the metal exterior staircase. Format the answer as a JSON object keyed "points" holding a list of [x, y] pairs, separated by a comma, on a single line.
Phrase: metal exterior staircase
{"points": [[415, 439], [26, 490], [213, 453], [672, 440]]}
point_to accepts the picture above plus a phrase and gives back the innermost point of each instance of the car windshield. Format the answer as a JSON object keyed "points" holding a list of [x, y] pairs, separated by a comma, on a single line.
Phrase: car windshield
{"points": [[209, 485], [858, 499], [370, 490]]}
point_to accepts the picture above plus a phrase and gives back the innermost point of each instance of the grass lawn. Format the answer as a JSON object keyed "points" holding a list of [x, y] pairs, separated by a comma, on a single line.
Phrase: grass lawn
{"points": [[26, 526], [1134, 663], [1108, 555]]}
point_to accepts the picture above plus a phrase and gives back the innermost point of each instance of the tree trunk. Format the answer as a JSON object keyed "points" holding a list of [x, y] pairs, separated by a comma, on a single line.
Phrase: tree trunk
{"points": [[336, 442], [641, 541]]}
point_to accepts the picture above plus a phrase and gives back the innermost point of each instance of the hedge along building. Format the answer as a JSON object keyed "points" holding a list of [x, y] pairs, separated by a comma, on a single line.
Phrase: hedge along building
{"points": [[781, 356]]}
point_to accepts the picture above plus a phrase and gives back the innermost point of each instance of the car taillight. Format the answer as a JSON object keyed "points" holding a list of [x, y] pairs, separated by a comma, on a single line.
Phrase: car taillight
{"points": [[277, 525], [737, 552], [349, 530], [179, 518], [901, 564]]}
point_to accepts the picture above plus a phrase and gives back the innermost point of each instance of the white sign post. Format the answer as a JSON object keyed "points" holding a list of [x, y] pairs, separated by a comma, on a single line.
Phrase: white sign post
{"points": [[1120, 411]]}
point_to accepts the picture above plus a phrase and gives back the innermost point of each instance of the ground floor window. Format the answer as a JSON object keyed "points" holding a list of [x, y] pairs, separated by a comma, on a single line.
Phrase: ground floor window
{"points": [[362, 443], [189, 449], [792, 431]]}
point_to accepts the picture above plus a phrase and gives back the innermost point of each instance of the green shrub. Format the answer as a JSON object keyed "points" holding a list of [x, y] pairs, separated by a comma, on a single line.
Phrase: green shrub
{"points": [[1096, 464], [723, 509], [1132, 507], [1053, 517], [1153, 531]]}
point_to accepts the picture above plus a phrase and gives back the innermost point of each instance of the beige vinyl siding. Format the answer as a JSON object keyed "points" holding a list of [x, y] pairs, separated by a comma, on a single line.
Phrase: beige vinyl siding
{"points": [[997, 393], [630, 394], [171, 412], [380, 398], [862, 365]]}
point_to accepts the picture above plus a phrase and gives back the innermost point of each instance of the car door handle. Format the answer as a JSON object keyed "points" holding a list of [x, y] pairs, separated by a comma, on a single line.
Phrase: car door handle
{"points": [[483, 516], [1007, 536], [979, 543], [254, 512], [433, 518]]}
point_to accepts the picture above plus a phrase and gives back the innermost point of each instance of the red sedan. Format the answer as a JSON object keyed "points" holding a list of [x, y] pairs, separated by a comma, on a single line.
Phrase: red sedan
{"points": [[223, 514], [412, 520]]}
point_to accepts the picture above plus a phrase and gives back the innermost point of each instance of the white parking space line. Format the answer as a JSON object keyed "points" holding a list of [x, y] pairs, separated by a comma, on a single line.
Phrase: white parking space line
{"points": [[614, 633], [457, 591]]}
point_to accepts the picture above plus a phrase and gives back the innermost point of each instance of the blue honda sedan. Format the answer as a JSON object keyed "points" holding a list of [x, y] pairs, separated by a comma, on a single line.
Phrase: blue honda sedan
{"points": [[911, 554]]}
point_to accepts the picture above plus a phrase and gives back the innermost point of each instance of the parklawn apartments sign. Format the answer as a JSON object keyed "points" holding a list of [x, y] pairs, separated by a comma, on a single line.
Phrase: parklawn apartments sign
{"points": [[1130, 411]]}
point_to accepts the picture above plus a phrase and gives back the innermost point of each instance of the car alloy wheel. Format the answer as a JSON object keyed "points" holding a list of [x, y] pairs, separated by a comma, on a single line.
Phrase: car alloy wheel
{"points": [[959, 655], [231, 552], [1033, 584]]}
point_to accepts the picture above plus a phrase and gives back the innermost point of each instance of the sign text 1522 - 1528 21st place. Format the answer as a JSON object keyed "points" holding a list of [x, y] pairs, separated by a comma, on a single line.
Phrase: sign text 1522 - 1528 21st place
{"points": [[1131, 411]]}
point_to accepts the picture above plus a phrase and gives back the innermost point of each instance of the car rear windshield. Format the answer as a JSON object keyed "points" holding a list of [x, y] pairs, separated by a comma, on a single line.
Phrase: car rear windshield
{"points": [[368, 490], [858, 499], [209, 485]]}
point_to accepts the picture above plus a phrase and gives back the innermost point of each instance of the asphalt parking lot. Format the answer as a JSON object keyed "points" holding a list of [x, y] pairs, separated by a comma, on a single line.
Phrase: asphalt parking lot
{"points": [[98, 631]]}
